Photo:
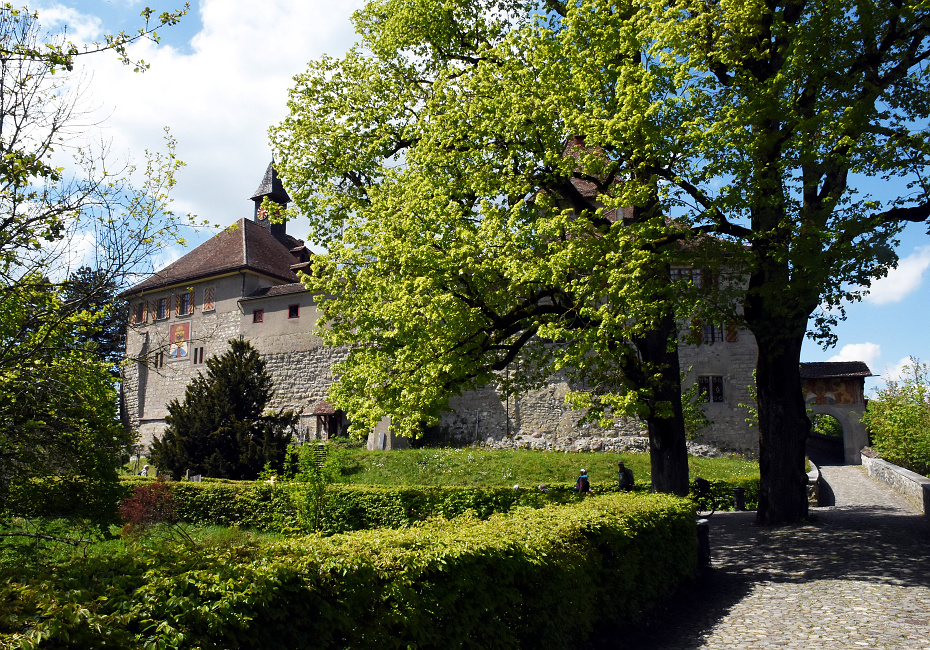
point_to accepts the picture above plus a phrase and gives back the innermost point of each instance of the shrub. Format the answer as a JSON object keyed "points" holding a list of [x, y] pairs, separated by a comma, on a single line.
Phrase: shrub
{"points": [[149, 504], [899, 419], [530, 579]]}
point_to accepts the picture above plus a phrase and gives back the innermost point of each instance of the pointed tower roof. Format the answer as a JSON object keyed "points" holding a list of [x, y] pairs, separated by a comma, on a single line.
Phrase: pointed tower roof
{"points": [[272, 187], [243, 246]]}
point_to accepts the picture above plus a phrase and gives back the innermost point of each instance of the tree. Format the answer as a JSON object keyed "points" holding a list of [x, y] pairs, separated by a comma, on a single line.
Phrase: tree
{"points": [[431, 161], [221, 429], [899, 419], [464, 242], [57, 406], [94, 294]]}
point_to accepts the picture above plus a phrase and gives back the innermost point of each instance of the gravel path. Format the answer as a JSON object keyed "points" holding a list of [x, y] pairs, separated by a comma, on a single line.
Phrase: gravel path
{"points": [[856, 576]]}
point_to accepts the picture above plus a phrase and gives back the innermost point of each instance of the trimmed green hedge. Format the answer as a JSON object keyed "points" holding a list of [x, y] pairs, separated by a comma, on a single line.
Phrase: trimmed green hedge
{"points": [[534, 578], [274, 508], [347, 507], [67, 497]]}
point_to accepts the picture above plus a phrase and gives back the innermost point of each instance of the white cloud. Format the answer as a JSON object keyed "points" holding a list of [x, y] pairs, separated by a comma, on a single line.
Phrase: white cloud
{"points": [[896, 372], [220, 97], [870, 353], [902, 281], [78, 27]]}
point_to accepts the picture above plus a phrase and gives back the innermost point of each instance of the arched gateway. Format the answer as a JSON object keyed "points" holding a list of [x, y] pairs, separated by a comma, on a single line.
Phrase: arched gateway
{"points": [[838, 389]]}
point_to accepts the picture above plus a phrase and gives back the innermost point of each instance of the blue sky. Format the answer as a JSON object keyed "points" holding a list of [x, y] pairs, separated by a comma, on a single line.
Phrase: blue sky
{"points": [[220, 78]]}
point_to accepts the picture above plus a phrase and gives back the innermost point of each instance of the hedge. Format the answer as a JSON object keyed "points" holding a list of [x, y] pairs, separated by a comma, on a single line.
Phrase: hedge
{"points": [[534, 578], [347, 507]]}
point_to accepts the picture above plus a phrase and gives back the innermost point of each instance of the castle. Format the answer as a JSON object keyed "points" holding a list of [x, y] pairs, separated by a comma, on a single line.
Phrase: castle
{"points": [[243, 282]]}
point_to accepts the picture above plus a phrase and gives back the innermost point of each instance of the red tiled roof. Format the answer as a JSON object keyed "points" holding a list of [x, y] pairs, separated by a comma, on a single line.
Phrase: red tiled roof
{"points": [[243, 246], [831, 369], [324, 408], [277, 290]]}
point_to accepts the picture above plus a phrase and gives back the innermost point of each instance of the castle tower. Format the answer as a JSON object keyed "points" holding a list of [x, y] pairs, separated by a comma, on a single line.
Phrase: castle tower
{"points": [[271, 187]]}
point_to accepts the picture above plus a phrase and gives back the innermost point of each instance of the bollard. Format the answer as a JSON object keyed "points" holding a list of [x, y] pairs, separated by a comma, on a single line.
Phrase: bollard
{"points": [[739, 498], [703, 534]]}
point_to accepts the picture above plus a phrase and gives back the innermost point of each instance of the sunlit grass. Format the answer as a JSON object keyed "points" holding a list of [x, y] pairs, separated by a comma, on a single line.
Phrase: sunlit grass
{"points": [[480, 467]]}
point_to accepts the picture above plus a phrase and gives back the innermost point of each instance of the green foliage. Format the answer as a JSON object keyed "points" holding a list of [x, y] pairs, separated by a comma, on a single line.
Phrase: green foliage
{"points": [[531, 579], [432, 163], [102, 317], [899, 419], [316, 467], [826, 425], [57, 397], [221, 429], [57, 401], [691, 406]]}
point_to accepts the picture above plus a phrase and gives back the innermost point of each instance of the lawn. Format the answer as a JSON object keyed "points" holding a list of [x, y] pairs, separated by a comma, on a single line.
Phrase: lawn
{"points": [[482, 467]]}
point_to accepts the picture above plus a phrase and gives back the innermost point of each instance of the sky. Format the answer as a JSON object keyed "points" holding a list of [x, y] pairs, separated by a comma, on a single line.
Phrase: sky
{"points": [[219, 80]]}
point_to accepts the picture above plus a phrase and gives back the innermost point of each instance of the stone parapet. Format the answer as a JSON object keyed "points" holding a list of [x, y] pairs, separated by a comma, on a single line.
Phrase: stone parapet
{"points": [[911, 485]]}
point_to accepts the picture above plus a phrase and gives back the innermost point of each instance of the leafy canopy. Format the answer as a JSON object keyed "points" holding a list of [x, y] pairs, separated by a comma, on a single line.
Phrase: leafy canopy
{"points": [[432, 161], [467, 230]]}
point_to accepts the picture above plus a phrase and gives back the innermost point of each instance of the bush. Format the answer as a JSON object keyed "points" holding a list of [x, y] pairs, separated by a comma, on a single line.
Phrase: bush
{"points": [[899, 419], [148, 505], [531, 579]]}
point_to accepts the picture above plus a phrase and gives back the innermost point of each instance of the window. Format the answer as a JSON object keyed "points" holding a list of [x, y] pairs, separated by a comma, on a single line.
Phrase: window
{"points": [[710, 387], [208, 299], [713, 333], [159, 359], [198, 356], [185, 304], [694, 275], [140, 312], [698, 277], [258, 316], [293, 311], [164, 304]]}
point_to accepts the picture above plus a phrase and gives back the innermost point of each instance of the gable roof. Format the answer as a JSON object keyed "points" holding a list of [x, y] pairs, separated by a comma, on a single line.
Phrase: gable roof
{"points": [[831, 369], [243, 246]]}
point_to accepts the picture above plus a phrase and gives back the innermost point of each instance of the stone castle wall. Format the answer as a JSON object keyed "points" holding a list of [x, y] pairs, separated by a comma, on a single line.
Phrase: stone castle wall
{"points": [[302, 370]]}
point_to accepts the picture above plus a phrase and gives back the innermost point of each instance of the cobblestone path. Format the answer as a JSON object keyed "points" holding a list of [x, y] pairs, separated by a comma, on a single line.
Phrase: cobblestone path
{"points": [[856, 576]]}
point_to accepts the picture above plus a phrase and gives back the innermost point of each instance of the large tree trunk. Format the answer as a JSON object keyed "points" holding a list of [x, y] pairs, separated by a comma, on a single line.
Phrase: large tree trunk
{"points": [[783, 423], [668, 452], [783, 429]]}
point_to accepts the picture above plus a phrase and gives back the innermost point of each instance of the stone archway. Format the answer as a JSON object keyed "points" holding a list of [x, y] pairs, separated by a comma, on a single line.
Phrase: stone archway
{"points": [[837, 389], [855, 436]]}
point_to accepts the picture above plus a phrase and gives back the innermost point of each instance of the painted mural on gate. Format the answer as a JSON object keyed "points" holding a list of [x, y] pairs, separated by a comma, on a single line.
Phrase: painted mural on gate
{"points": [[833, 391]]}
